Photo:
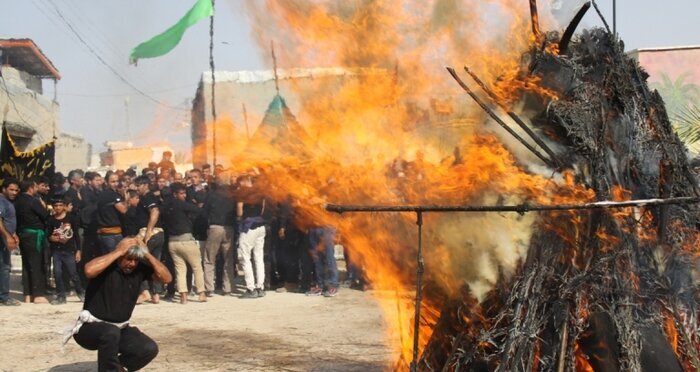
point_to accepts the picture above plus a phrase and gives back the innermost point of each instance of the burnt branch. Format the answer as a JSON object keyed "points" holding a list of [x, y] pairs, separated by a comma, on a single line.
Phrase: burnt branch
{"points": [[497, 119]]}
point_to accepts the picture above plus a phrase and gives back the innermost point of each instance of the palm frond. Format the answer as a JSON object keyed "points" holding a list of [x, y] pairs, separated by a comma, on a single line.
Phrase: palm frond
{"points": [[687, 123]]}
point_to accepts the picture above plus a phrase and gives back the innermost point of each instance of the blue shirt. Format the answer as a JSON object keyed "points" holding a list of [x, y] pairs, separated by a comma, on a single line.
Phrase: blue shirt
{"points": [[8, 215]]}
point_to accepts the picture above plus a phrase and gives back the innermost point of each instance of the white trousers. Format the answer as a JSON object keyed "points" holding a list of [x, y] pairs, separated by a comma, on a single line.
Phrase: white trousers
{"points": [[253, 241]]}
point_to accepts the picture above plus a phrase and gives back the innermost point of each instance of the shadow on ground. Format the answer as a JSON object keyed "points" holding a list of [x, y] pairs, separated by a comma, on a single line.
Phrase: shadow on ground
{"points": [[249, 351], [75, 367]]}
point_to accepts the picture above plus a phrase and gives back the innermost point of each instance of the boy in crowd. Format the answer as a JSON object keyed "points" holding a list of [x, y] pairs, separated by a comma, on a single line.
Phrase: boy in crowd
{"points": [[65, 248]]}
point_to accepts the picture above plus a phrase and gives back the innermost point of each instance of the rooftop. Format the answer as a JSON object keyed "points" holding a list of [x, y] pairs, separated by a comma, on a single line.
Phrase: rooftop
{"points": [[260, 76], [26, 56]]}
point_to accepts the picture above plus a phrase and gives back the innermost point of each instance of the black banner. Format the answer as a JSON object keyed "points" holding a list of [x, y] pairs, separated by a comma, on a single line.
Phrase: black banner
{"points": [[23, 165]]}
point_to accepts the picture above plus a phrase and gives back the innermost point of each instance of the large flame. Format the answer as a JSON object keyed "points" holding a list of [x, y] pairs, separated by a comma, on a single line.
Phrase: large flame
{"points": [[379, 139]]}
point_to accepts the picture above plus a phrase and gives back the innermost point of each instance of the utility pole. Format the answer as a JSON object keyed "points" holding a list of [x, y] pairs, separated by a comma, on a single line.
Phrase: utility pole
{"points": [[615, 17], [126, 112]]}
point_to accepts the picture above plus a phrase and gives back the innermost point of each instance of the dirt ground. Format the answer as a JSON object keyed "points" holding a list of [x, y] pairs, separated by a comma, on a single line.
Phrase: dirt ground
{"points": [[280, 332]]}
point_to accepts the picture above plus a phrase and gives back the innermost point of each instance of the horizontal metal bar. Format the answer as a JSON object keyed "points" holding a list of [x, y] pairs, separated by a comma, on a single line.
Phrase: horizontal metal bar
{"points": [[520, 208]]}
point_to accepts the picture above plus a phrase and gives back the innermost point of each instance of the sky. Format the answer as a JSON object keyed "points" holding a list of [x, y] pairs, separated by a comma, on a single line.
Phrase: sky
{"points": [[97, 104]]}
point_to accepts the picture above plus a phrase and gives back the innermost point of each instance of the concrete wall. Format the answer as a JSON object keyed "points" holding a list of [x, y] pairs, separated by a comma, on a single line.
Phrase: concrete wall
{"points": [[30, 109], [122, 155], [72, 152], [34, 112]]}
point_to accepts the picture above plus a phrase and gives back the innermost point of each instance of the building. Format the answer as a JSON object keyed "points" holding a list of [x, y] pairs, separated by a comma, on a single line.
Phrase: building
{"points": [[675, 73], [31, 117], [123, 155], [672, 62]]}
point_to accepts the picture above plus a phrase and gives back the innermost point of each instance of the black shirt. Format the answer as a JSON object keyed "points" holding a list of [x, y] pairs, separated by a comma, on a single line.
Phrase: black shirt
{"points": [[89, 195], [178, 216], [73, 197], [30, 212], [66, 226], [220, 209], [195, 196], [130, 225], [88, 210], [199, 223], [107, 214], [143, 211], [112, 295]]}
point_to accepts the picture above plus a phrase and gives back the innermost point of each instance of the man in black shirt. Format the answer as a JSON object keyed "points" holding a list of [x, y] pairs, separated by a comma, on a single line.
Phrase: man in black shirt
{"points": [[148, 222], [220, 211], [184, 249], [87, 213], [197, 194], [110, 299], [65, 248], [72, 195], [166, 166], [110, 205], [250, 206], [31, 227]]}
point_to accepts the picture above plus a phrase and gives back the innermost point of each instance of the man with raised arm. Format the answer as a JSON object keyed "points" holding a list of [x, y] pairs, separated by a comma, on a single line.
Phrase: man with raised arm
{"points": [[113, 288]]}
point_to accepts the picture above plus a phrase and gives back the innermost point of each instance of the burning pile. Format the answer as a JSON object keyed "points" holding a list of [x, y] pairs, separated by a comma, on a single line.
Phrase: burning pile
{"points": [[570, 290], [613, 290]]}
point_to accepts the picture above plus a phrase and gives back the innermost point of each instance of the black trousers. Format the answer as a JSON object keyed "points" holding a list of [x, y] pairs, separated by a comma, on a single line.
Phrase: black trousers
{"points": [[88, 251], [307, 264], [127, 347], [155, 246], [33, 265], [288, 256]]}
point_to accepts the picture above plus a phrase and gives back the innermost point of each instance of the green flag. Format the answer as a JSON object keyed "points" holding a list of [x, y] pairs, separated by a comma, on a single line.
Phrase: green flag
{"points": [[165, 42]]}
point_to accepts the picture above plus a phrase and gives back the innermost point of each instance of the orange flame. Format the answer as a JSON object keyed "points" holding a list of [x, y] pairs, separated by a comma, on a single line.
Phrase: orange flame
{"points": [[672, 333], [399, 132], [582, 363]]}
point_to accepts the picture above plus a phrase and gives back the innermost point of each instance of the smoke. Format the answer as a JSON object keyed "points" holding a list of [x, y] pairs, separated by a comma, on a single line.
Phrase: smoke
{"points": [[564, 10], [481, 247]]}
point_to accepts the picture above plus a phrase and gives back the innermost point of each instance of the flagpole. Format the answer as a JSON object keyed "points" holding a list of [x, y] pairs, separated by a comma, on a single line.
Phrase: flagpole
{"points": [[274, 67], [213, 84]]}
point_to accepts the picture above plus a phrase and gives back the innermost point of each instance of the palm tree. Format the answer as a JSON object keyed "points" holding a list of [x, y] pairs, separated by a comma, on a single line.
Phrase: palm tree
{"points": [[678, 95], [686, 122], [680, 98]]}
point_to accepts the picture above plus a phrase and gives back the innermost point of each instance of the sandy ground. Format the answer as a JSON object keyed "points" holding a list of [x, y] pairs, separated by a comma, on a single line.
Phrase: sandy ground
{"points": [[280, 332]]}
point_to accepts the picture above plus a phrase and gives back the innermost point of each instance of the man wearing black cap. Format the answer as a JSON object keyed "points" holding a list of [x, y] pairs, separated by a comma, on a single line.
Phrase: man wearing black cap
{"points": [[65, 248], [110, 298]]}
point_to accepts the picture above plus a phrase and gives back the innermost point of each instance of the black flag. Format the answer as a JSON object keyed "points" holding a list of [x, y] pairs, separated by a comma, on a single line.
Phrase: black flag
{"points": [[23, 165]]}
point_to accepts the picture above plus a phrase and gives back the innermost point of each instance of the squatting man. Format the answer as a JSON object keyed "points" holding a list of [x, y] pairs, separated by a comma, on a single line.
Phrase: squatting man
{"points": [[113, 288]]}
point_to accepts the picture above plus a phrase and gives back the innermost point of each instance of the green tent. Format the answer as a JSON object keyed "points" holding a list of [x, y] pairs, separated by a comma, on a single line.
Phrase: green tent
{"points": [[279, 133]]}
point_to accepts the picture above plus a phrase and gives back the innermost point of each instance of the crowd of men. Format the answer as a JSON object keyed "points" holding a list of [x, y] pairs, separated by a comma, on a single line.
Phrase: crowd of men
{"points": [[203, 230]]}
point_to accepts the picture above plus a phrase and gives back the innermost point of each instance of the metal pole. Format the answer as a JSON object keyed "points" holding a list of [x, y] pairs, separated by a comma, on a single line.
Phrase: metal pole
{"points": [[419, 291], [213, 84], [126, 113], [615, 17], [520, 208]]}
